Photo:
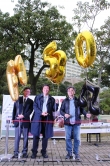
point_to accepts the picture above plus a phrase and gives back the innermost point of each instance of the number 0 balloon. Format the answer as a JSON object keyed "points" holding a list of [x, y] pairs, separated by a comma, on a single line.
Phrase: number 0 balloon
{"points": [[85, 49]]}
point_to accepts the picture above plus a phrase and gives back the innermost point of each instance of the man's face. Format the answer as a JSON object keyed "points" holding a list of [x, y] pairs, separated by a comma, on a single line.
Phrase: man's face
{"points": [[45, 90], [71, 92], [26, 92]]}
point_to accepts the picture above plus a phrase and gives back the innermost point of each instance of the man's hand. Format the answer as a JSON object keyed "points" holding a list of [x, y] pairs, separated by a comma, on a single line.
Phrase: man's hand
{"points": [[57, 101], [88, 115], [44, 113], [67, 116], [20, 116]]}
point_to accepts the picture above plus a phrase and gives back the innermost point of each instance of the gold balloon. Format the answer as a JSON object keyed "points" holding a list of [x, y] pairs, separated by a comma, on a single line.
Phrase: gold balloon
{"points": [[57, 62], [20, 68], [60, 75], [15, 69], [12, 80], [50, 49], [61, 56], [85, 59], [53, 63], [51, 73]]}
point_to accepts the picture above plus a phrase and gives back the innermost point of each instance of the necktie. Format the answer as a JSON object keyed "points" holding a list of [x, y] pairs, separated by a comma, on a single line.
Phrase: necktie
{"points": [[24, 101]]}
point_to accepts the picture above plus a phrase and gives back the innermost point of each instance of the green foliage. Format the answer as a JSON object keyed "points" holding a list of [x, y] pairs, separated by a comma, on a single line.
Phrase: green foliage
{"points": [[86, 13], [3, 88], [105, 101], [78, 86], [55, 90], [32, 27]]}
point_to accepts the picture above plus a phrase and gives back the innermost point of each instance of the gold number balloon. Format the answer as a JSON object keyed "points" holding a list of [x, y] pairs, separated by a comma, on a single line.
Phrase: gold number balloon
{"points": [[15, 70], [61, 56], [12, 80], [50, 49], [57, 62], [20, 68], [85, 57], [60, 75]]}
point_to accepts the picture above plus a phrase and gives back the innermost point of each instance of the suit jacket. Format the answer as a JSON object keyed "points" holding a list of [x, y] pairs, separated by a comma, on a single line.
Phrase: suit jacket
{"points": [[26, 110], [65, 109], [37, 116]]}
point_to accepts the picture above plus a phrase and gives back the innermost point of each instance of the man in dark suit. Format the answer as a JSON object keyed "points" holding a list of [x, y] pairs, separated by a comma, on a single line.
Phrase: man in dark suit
{"points": [[42, 120], [22, 110]]}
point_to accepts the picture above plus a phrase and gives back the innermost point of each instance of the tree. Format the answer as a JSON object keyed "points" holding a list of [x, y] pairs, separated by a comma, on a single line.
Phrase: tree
{"points": [[86, 13], [105, 101], [100, 70], [78, 86], [35, 24]]}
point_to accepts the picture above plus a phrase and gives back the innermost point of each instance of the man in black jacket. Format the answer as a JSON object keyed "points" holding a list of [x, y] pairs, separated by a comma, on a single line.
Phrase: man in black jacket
{"points": [[22, 110], [71, 111]]}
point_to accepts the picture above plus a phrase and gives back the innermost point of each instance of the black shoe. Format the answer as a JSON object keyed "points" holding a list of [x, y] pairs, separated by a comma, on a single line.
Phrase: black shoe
{"points": [[33, 156], [77, 157], [15, 156], [45, 155], [96, 144], [25, 155], [69, 156]]}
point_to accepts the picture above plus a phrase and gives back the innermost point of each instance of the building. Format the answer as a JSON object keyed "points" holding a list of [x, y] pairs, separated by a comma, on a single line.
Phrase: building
{"points": [[73, 72]]}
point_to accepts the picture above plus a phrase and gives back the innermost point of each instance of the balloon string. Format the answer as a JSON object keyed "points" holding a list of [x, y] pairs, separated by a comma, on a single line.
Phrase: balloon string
{"points": [[87, 91]]}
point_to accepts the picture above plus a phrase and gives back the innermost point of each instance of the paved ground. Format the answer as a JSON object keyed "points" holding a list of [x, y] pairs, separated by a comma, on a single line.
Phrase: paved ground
{"points": [[56, 152]]}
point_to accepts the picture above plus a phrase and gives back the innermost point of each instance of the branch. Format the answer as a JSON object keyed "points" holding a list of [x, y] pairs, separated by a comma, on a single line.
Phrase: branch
{"points": [[40, 71]]}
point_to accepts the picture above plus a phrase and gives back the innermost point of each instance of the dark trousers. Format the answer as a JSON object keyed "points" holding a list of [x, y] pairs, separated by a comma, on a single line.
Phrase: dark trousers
{"points": [[36, 144], [44, 140], [18, 131]]}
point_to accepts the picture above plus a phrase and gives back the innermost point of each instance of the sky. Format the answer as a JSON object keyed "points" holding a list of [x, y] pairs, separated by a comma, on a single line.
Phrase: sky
{"points": [[8, 5]]}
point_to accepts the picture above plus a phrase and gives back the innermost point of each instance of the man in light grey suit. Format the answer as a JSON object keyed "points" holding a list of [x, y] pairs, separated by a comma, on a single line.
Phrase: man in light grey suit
{"points": [[22, 109]]}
